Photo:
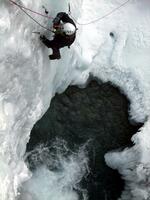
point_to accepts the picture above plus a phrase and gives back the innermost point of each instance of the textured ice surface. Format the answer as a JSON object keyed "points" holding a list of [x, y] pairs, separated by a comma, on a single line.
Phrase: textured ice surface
{"points": [[29, 80]]}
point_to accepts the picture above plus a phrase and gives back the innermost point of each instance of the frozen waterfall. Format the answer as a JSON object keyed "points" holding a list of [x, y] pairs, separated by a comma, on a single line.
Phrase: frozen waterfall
{"points": [[29, 81]]}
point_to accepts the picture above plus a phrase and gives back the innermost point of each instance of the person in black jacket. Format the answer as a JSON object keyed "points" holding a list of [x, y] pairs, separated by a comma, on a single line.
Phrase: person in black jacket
{"points": [[65, 34]]}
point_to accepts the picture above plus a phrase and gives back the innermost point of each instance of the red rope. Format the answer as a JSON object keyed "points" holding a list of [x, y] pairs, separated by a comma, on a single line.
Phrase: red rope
{"points": [[22, 8], [49, 17]]}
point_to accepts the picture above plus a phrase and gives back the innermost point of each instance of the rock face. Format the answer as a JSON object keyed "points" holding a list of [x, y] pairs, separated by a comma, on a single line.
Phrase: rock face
{"points": [[98, 112]]}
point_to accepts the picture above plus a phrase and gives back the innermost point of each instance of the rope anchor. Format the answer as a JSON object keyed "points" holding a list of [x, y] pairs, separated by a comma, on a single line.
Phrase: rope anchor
{"points": [[69, 9]]}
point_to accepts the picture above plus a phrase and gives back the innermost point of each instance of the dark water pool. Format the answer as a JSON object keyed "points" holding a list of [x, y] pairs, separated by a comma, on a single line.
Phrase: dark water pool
{"points": [[99, 114]]}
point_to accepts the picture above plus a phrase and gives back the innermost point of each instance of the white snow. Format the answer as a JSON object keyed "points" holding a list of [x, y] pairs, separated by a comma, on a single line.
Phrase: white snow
{"points": [[29, 80]]}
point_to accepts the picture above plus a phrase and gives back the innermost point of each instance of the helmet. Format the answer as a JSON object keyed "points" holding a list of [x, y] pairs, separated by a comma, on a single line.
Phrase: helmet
{"points": [[68, 28]]}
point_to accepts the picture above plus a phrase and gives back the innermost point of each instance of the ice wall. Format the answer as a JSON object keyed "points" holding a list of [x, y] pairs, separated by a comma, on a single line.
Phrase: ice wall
{"points": [[25, 71], [29, 80], [21, 66], [27, 84]]}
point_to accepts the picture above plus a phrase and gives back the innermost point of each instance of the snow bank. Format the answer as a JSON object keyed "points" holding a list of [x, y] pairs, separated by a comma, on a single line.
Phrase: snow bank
{"points": [[21, 85], [29, 80]]}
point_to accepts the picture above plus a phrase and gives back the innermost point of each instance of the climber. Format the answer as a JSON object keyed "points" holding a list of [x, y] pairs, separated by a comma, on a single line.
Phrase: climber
{"points": [[64, 34]]}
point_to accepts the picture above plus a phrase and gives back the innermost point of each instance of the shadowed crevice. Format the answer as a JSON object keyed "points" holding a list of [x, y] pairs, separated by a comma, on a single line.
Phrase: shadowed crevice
{"points": [[98, 113]]}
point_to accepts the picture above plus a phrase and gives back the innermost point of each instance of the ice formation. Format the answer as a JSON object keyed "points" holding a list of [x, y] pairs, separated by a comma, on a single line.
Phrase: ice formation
{"points": [[29, 80]]}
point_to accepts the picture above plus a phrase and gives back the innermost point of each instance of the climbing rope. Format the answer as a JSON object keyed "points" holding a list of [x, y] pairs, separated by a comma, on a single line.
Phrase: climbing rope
{"points": [[49, 17], [100, 18], [22, 8], [36, 21]]}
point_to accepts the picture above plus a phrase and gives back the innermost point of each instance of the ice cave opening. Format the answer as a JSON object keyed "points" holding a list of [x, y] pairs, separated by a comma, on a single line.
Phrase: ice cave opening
{"points": [[71, 139]]}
